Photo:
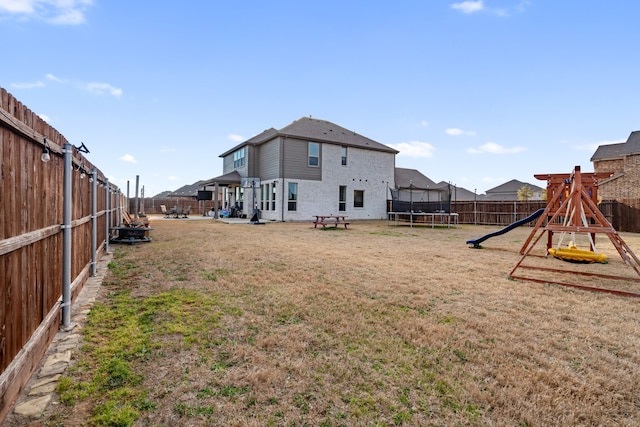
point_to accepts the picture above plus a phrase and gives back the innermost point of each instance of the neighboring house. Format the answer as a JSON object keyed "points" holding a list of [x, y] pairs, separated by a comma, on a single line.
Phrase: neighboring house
{"points": [[623, 162], [190, 191], [509, 191], [310, 167], [414, 191], [460, 194]]}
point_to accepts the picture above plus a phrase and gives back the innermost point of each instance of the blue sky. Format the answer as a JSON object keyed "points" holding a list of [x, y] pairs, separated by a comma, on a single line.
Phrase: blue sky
{"points": [[472, 92]]}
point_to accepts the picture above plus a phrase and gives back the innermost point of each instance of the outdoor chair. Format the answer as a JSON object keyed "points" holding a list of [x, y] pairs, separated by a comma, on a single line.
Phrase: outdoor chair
{"points": [[186, 213], [164, 210], [178, 211]]}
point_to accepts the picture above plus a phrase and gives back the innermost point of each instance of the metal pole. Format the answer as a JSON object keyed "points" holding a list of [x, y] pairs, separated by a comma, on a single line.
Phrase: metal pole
{"points": [[215, 201], [118, 211], [94, 221], [411, 203], [475, 197], [137, 200], [107, 218], [66, 238]]}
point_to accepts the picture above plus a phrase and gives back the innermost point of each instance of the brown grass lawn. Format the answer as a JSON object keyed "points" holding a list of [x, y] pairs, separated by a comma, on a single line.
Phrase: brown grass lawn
{"points": [[374, 325]]}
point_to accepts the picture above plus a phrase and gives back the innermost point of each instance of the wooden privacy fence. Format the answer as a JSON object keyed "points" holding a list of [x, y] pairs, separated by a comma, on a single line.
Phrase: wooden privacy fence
{"points": [[34, 233], [152, 206], [494, 212], [624, 215]]}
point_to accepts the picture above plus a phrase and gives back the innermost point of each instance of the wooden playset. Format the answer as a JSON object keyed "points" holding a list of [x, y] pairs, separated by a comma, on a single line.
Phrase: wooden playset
{"points": [[572, 211]]}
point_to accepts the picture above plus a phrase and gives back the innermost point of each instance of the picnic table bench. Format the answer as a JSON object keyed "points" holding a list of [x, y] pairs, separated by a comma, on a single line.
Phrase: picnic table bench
{"points": [[330, 221]]}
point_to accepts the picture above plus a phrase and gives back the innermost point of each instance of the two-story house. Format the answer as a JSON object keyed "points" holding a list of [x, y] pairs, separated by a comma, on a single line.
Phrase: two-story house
{"points": [[622, 161], [310, 167]]}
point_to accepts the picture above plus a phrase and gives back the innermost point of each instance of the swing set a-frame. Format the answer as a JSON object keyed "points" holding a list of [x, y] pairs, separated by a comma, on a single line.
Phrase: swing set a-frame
{"points": [[572, 210]]}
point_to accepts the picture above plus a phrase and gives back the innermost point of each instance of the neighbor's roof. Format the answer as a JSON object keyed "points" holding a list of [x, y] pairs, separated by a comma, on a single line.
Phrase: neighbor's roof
{"points": [[512, 187], [616, 151], [318, 131], [406, 177], [190, 190]]}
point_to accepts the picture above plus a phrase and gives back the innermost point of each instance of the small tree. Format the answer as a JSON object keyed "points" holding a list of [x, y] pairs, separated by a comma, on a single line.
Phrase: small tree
{"points": [[525, 193]]}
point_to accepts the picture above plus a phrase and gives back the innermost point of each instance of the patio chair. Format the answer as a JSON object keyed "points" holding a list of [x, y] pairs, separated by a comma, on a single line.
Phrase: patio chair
{"points": [[186, 213], [177, 211], [164, 210]]}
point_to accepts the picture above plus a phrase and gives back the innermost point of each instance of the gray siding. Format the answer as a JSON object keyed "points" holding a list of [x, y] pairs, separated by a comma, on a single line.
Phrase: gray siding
{"points": [[296, 161], [268, 155], [227, 164]]}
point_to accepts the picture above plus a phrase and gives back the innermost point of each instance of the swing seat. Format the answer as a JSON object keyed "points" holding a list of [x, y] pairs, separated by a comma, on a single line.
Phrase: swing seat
{"points": [[573, 254]]}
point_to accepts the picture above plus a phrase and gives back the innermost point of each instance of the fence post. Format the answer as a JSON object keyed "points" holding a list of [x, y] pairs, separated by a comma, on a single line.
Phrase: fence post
{"points": [[66, 237], [107, 215], [94, 220]]}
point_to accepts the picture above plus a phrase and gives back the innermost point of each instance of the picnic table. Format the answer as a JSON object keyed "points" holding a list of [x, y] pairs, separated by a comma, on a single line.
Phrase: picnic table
{"points": [[330, 221]]}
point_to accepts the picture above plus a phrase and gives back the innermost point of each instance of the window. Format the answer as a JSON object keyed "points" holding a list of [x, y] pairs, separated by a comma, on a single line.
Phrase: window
{"points": [[358, 198], [264, 193], [343, 152], [273, 197], [238, 158], [342, 198], [293, 196], [314, 154]]}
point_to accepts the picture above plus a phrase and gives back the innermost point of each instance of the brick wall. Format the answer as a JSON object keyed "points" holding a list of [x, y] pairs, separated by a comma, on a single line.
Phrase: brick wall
{"points": [[626, 181]]}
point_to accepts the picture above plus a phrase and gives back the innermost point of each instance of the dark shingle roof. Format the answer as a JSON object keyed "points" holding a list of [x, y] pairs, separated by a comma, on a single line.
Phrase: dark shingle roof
{"points": [[190, 190], [232, 177], [616, 151], [512, 187], [405, 177], [316, 130]]}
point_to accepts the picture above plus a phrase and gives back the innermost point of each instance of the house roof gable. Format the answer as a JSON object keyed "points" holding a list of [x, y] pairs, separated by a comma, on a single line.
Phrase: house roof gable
{"points": [[512, 187], [405, 177], [616, 151], [318, 131]]}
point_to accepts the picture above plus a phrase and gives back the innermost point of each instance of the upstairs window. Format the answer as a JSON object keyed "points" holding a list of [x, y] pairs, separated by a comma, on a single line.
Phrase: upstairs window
{"points": [[343, 152], [238, 158], [314, 154]]}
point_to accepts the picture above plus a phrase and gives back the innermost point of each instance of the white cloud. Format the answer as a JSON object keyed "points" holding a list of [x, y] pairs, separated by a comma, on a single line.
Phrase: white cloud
{"points": [[51, 77], [414, 149], [128, 158], [468, 6], [27, 85], [593, 146], [493, 148], [172, 178], [458, 132], [45, 118], [58, 12], [424, 123], [17, 6], [101, 88], [235, 138]]}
